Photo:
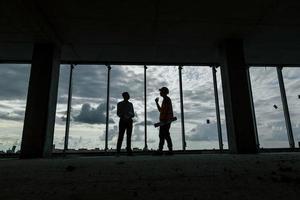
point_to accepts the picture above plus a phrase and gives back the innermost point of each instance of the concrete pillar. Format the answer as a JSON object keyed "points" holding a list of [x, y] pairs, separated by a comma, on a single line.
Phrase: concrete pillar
{"points": [[39, 120], [237, 101]]}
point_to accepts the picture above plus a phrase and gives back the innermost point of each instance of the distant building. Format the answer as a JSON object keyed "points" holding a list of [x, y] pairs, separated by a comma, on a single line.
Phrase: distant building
{"points": [[12, 150]]}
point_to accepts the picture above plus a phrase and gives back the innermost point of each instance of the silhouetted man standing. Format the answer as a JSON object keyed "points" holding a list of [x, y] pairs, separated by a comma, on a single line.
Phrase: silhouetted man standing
{"points": [[126, 113], [166, 114]]}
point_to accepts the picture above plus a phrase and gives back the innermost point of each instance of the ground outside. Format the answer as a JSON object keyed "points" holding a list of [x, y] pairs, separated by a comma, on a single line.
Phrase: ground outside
{"points": [[185, 176]]}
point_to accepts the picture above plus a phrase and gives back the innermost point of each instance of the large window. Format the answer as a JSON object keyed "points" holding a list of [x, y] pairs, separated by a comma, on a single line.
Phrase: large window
{"points": [[14, 79], [127, 79], [200, 108], [88, 108], [89, 102], [157, 77], [268, 108], [89, 97]]}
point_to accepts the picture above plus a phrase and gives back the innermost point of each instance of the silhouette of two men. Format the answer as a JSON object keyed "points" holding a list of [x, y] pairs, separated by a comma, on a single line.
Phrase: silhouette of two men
{"points": [[126, 112]]}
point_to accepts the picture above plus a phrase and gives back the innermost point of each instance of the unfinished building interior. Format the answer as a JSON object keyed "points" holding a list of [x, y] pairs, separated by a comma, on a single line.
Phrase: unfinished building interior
{"points": [[227, 38]]}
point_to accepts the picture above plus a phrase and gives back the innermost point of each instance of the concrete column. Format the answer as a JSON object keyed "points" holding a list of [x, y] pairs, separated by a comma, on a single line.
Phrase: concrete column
{"points": [[237, 101], [40, 112]]}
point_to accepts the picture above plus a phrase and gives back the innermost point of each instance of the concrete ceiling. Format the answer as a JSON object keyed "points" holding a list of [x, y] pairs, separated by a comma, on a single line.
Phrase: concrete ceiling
{"points": [[151, 31]]}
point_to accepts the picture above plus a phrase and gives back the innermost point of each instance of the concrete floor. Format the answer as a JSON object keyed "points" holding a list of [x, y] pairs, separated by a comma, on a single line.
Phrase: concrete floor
{"points": [[206, 176]]}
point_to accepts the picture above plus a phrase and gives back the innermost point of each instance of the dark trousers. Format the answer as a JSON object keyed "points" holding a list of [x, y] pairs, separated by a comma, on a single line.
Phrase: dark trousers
{"points": [[124, 125], [164, 134]]}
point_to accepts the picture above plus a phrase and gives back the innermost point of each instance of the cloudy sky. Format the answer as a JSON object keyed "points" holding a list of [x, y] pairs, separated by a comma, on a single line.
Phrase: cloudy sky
{"points": [[87, 129]]}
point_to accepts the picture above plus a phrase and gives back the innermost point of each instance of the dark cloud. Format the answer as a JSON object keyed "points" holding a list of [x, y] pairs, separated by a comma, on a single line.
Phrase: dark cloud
{"points": [[277, 136], [10, 140], [273, 131], [203, 132], [91, 115], [80, 142], [90, 81], [14, 81], [200, 114], [112, 132], [200, 96], [142, 123], [60, 120], [14, 115], [127, 79], [63, 85], [153, 115], [62, 99], [60, 141], [5, 106], [139, 135]]}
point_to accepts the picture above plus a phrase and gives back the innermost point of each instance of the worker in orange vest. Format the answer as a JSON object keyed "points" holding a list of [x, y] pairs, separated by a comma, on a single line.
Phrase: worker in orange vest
{"points": [[166, 114]]}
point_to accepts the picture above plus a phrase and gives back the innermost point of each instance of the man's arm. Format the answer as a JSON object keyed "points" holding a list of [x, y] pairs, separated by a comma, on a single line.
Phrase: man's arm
{"points": [[119, 110], [170, 108], [131, 110], [157, 105]]}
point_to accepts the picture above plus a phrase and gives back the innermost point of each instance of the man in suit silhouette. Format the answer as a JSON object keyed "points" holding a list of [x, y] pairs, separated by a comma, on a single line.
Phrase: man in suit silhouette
{"points": [[126, 113]]}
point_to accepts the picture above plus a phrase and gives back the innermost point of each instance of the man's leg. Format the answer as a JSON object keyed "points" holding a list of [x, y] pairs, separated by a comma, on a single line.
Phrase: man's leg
{"points": [[121, 135], [128, 134], [162, 134], [168, 137], [161, 143]]}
